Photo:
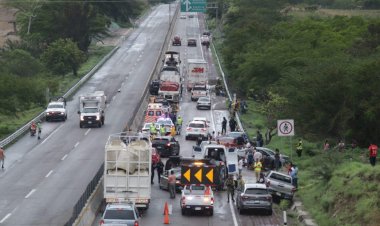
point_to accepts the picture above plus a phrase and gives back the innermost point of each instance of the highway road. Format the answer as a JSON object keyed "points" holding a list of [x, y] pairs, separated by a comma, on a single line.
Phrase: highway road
{"points": [[44, 178]]}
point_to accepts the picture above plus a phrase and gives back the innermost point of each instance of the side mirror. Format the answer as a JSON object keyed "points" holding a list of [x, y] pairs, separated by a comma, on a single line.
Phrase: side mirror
{"points": [[78, 112]]}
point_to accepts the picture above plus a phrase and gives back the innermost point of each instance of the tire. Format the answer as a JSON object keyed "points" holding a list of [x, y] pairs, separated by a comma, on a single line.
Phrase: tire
{"points": [[80, 125], [186, 138], [211, 213], [270, 212], [99, 124]]}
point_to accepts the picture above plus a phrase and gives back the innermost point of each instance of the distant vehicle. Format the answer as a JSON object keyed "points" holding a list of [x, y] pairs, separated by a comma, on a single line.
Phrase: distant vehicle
{"points": [[154, 111], [241, 137], [191, 42], [154, 87], [166, 145], [204, 102], [164, 179], [91, 109], [202, 119], [123, 214], [56, 110], [208, 33], [191, 15], [198, 90], [280, 185], [196, 129], [197, 198], [268, 157], [167, 123], [182, 16], [254, 196], [176, 41]]}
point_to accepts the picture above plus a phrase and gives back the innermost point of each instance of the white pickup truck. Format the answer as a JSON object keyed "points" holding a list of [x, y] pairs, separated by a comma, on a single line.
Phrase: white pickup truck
{"points": [[197, 198], [280, 184]]}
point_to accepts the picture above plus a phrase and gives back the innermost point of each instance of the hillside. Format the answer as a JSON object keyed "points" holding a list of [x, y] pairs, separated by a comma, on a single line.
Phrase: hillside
{"points": [[7, 20]]}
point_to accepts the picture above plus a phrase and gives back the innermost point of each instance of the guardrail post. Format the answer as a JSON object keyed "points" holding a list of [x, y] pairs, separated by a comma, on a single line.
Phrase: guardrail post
{"points": [[285, 220]]}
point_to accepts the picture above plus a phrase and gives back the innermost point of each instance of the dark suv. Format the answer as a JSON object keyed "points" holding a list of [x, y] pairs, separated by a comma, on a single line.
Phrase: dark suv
{"points": [[166, 145], [154, 87], [176, 41]]}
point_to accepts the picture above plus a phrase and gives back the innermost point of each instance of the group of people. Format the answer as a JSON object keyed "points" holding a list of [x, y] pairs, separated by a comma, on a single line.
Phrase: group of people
{"points": [[36, 128], [232, 124]]}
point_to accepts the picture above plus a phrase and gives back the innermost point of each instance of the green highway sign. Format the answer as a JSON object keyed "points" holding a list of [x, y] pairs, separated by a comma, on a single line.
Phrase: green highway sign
{"points": [[193, 6]]}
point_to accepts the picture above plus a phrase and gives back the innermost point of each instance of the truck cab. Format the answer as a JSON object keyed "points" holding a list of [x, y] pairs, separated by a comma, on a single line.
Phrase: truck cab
{"points": [[56, 110], [197, 198], [91, 109]]}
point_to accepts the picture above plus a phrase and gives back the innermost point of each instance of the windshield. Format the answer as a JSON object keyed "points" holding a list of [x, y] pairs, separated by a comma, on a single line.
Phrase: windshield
{"points": [[204, 99], [196, 125], [90, 110], [119, 214], [281, 177], [55, 106], [256, 191]]}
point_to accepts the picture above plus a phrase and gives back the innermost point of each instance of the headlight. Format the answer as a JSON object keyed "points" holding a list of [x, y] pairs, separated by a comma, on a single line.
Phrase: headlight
{"points": [[62, 113], [98, 117], [47, 113], [81, 118], [189, 197]]}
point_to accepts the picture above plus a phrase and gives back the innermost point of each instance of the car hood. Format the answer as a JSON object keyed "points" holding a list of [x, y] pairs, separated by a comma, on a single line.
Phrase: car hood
{"points": [[55, 109]]}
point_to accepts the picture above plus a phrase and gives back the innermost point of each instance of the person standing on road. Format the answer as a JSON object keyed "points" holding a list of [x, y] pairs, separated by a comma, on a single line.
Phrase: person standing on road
{"points": [[277, 161], [39, 130], [224, 126], [299, 148], [294, 175], [258, 165], [257, 156], [240, 165], [230, 188], [232, 124], [240, 183], [372, 154], [160, 169], [2, 157], [249, 159], [171, 181]]}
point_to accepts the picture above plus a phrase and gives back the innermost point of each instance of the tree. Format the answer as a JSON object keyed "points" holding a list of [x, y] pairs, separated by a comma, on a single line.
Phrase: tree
{"points": [[21, 63], [63, 55]]}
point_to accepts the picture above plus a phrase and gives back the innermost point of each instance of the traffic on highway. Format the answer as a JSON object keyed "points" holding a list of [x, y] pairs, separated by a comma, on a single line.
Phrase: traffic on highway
{"points": [[176, 167]]}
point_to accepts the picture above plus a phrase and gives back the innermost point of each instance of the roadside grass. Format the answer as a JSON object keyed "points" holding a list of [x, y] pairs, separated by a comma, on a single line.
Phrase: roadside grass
{"points": [[336, 188], [10, 123], [337, 12]]}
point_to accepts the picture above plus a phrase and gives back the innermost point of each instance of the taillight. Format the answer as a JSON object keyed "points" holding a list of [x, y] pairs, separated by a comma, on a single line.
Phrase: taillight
{"points": [[203, 129], [212, 201], [101, 222], [136, 223], [168, 144], [183, 200], [188, 129], [294, 190]]}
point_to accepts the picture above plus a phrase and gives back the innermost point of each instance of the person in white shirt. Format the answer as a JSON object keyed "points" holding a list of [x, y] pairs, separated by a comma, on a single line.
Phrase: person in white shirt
{"points": [[257, 156], [240, 165]]}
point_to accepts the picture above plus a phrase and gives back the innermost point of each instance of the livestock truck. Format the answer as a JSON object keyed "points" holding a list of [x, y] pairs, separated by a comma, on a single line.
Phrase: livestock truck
{"points": [[127, 169]]}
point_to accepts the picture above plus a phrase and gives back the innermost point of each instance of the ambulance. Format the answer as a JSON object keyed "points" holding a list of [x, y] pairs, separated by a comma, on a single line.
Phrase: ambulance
{"points": [[153, 112]]}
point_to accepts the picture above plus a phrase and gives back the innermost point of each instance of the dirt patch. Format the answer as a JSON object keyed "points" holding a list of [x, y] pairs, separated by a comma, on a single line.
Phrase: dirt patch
{"points": [[115, 38], [7, 24]]}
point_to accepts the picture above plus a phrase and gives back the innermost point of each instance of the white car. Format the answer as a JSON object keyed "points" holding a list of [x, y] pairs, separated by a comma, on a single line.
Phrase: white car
{"points": [[56, 110], [202, 119], [182, 16], [146, 127], [196, 129]]}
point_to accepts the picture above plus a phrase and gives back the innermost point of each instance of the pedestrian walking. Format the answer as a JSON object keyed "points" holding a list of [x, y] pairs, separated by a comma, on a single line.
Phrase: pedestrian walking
{"points": [[230, 188], [232, 124], [171, 181], [259, 139], [2, 157], [39, 130], [160, 169], [294, 174], [299, 148], [372, 154], [277, 161], [258, 165], [224, 126], [249, 159], [326, 146], [240, 165]]}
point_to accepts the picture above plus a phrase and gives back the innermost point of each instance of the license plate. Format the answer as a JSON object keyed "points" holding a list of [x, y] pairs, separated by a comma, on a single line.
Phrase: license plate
{"points": [[256, 202], [196, 130], [198, 208], [89, 122]]}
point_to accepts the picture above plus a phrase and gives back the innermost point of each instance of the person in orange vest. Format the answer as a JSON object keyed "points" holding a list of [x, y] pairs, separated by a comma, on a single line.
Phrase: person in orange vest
{"points": [[372, 154]]}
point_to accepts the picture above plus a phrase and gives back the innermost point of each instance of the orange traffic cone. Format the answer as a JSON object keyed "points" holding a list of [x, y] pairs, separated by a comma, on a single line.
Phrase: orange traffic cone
{"points": [[166, 213]]}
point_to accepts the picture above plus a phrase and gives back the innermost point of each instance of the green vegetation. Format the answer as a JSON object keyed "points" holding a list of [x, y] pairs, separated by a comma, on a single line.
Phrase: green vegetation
{"points": [[322, 71]]}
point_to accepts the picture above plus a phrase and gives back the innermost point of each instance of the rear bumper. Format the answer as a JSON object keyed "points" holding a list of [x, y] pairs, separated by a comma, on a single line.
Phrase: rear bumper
{"points": [[197, 207], [266, 206], [281, 194]]}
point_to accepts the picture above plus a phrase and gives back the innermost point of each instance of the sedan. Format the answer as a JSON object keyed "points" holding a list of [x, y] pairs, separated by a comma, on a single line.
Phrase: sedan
{"points": [[204, 102], [166, 145], [191, 42], [120, 214], [164, 179], [254, 196], [196, 129]]}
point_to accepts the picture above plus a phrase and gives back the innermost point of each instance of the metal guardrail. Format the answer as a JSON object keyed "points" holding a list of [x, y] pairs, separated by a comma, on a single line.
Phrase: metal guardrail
{"points": [[21, 131]]}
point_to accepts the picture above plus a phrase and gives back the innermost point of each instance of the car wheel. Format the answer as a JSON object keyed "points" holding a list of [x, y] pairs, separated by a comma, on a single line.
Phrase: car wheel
{"points": [[240, 211], [211, 213], [80, 125], [100, 124], [270, 212], [186, 138]]}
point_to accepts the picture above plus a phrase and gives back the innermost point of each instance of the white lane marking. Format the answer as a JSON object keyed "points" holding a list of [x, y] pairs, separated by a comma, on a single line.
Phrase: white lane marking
{"points": [[63, 158], [87, 132], [30, 193], [47, 175], [51, 134], [212, 119], [76, 144], [233, 214], [5, 218]]}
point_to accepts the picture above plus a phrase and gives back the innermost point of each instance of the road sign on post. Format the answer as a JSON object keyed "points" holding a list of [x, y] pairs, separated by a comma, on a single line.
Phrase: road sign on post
{"points": [[285, 128], [193, 6]]}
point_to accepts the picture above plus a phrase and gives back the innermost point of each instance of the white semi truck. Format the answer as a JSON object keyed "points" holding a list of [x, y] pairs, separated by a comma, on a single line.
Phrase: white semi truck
{"points": [[127, 169], [197, 72], [91, 109]]}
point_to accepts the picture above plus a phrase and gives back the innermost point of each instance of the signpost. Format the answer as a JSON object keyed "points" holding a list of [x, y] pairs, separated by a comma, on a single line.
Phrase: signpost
{"points": [[193, 6], [285, 128]]}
